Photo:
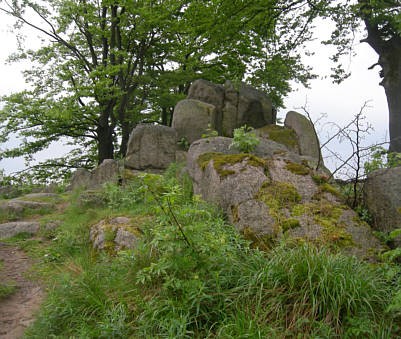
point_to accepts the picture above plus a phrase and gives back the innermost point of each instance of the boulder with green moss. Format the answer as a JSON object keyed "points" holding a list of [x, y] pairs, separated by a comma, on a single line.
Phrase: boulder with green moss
{"points": [[115, 234], [268, 199]]}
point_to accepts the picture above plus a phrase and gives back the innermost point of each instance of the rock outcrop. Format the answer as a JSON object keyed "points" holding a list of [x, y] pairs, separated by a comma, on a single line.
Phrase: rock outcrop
{"points": [[234, 106], [382, 193], [151, 147], [272, 197]]}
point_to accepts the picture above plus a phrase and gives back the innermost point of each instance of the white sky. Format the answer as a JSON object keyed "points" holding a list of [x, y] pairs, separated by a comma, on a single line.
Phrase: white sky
{"points": [[339, 102]]}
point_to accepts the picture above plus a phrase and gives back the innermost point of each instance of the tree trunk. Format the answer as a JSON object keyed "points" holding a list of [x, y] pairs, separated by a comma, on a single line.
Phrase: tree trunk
{"points": [[105, 147], [391, 72]]}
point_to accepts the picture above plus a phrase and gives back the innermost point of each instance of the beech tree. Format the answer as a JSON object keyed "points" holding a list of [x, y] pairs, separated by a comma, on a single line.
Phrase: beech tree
{"points": [[106, 65]]}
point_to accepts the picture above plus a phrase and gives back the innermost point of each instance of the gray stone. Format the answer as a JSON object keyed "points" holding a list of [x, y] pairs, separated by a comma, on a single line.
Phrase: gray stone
{"points": [[11, 229], [262, 203], [307, 138], [107, 171], [199, 147], [16, 207], [80, 178], [234, 107], [211, 93], [382, 193], [151, 147], [192, 118], [255, 214], [231, 190], [113, 234], [254, 108]]}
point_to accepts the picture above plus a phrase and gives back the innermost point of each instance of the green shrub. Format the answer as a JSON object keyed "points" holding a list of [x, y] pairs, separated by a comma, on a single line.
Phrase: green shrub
{"points": [[244, 141]]}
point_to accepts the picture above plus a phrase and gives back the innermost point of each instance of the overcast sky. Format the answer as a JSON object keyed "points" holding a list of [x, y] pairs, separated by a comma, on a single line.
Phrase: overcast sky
{"points": [[339, 102]]}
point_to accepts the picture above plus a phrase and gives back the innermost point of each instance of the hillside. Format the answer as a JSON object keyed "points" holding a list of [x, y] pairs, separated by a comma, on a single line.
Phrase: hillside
{"points": [[190, 274]]}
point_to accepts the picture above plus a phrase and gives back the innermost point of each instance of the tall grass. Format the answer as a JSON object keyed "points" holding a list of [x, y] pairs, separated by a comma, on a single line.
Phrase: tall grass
{"points": [[193, 276]]}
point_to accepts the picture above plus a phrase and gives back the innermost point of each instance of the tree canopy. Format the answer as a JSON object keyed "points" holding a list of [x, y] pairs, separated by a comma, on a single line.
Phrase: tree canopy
{"points": [[105, 66]]}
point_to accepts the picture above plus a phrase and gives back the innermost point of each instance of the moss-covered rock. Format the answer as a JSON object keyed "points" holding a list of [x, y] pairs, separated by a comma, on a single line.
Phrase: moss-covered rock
{"points": [[118, 233], [281, 135], [298, 169]]}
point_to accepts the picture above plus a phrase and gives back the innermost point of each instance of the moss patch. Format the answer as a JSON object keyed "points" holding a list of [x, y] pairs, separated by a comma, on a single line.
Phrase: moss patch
{"points": [[326, 188], [263, 242], [204, 158], [278, 195], [281, 135], [319, 179], [289, 224], [327, 216], [221, 160], [297, 168]]}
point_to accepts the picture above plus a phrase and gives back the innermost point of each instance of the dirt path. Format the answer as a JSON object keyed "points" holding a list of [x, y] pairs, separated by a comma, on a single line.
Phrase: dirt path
{"points": [[17, 310]]}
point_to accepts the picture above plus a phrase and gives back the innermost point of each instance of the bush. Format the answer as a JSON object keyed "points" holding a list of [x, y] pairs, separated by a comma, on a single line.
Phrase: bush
{"points": [[244, 141]]}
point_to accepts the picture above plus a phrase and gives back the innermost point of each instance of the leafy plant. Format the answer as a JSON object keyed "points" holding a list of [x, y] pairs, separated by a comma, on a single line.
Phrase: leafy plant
{"points": [[381, 158], [184, 143], [244, 141], [210, 132]]}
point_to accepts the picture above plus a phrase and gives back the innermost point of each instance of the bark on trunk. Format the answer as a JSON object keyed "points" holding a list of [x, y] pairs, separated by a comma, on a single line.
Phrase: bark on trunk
{"points": [[105, 146], [391, 65]]}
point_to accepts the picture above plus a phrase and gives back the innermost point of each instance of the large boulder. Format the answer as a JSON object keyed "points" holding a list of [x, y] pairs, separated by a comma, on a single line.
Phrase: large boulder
{"points": [[273, 198], [307, 138], [107, 171], [382, 193], [192, 118], [80, 178], [151, 147], [235, 105]]}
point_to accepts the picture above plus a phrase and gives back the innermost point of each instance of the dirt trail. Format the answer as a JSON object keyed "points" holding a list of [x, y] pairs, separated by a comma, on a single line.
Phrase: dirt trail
{"points": [[17, 311]]}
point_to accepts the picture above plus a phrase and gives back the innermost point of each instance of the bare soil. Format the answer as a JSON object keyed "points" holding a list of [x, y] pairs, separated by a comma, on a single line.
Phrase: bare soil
{"points": [[17, 310]]}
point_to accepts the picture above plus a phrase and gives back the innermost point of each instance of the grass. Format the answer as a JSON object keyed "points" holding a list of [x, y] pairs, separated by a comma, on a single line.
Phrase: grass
{"points": [[193, 276], [6, 290]]}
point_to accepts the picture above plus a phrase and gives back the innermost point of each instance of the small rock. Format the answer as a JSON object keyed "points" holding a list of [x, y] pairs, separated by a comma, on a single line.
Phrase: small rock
{"points": [[10, 229]]}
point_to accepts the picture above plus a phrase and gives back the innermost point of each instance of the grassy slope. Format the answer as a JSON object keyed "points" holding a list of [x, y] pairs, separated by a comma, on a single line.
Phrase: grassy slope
{"points": [[193, 276]]}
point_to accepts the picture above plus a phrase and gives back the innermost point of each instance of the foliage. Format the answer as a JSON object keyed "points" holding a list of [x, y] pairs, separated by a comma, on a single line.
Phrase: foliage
{"points": [[382, 158], [105, 66], [244, 141], [209, 133], [183, 142]]}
